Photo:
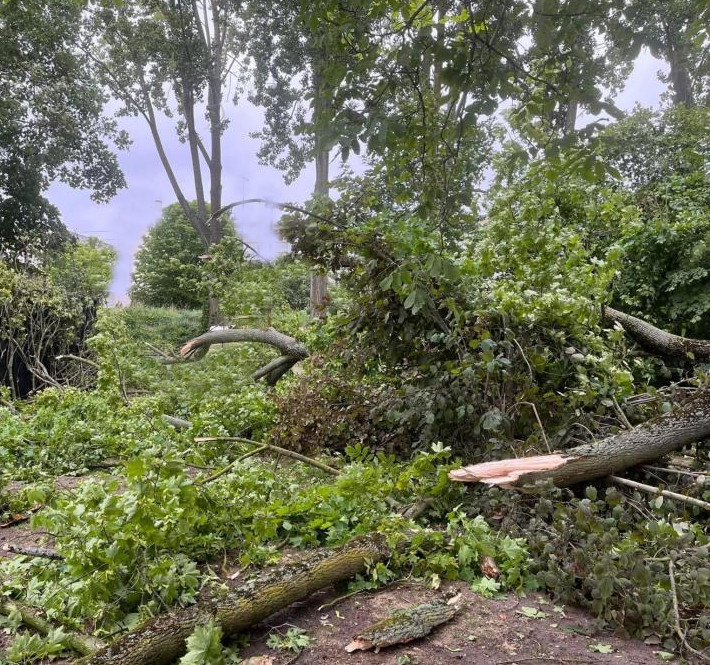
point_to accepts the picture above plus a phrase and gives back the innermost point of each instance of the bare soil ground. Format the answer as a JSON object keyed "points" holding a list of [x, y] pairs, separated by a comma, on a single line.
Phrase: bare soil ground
{"points": [[485, 632]]}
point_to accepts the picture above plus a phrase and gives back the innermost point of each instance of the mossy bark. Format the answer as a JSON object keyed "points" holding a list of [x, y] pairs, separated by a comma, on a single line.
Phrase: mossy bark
{"points": [[404, 625], [161, 641]]}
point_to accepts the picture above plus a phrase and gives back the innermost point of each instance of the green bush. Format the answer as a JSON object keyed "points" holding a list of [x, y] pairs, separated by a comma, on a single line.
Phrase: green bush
{"points": [[47, 309]]}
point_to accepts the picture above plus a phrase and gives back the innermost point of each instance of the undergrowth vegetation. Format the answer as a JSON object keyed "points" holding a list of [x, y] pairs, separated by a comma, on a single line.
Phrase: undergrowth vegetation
{"points": [[470, 343]]}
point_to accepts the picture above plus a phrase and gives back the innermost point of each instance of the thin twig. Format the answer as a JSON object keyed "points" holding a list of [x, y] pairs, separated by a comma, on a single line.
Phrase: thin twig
{"points": [[229, 466], [539, 422], [42, 552], [655, 490], [660, 469], [340, 599], [522, 353], [622, 415], [676, 611], [71, 356], [277, 449], [160, 352]]}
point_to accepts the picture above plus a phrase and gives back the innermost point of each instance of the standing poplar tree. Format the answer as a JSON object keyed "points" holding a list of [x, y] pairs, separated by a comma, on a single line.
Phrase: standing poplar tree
{"points": [[171, 59], [298, 63]]}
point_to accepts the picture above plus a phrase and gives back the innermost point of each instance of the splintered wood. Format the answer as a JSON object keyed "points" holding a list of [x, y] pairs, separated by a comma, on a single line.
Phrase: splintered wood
{"points": [[506, 472], [405, 625]]}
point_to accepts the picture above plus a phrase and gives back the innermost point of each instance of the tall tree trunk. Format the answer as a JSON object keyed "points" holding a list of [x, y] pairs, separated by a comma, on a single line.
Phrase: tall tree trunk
{"points": [[214, 101], [571, 116], [679, 74], [188, 103], [321, 111]]}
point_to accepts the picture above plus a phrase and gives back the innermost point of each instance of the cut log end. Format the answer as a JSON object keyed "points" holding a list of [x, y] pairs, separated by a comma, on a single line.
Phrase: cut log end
{"points": [[359, 644], [505, 473]]}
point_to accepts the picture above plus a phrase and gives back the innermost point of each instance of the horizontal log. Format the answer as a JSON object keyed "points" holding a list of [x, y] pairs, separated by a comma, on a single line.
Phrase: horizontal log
{"points": [[161, 640], [647, 442], [657, 341], [287, 345]]}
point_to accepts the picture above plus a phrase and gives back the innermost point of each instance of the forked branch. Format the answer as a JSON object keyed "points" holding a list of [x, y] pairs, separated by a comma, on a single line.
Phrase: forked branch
{"points": [[292, 351]]}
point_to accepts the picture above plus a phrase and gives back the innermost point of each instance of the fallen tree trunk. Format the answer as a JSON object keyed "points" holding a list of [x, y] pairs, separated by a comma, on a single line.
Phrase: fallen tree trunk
{"points": [[287, 345], [645, 443], [292, 351], [657, 341], [161, 640]]}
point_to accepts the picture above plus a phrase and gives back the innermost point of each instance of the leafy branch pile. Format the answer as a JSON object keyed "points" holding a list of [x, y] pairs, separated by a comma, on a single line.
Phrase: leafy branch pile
{"points": [[466, 325]]}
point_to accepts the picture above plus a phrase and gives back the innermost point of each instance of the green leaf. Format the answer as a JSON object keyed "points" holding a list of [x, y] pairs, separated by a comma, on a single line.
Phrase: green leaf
{"points": [[532, 612], [601, 648]]}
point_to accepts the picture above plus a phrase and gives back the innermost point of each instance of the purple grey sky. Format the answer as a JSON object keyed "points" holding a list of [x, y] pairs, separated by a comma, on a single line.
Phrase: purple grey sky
{"points": [[124, 220]]}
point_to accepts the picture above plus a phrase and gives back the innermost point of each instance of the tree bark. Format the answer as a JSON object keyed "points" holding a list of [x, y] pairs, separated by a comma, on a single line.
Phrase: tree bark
{"points": [[657, 341], [80, 643], [321, 111], [161, 641], [292, 351], [287, 345], [678, 63], [648, 442]]}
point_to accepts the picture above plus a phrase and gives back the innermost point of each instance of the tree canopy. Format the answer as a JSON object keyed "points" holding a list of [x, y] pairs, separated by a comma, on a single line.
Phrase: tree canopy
{"points": [[52, 124], [168, 270]]}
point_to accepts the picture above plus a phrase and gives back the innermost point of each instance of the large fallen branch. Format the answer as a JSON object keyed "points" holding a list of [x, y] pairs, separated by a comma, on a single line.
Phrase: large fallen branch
{"points": [[645, 443], [292, 351], [161, 640], [657, 341]]}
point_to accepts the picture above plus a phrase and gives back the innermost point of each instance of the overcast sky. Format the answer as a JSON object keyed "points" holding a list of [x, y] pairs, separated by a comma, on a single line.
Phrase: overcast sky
{"points": [[124, 220]]}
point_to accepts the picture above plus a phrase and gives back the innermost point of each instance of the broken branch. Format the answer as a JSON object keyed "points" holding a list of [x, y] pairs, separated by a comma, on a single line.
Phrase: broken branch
{"points": [[26, 550], [645, 443], [287, 345], [269, 446], [650, 489], [657, 341]]}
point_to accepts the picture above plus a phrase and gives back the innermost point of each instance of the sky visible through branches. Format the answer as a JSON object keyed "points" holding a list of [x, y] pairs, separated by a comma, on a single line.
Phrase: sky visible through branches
{"points": [[125, 219]]}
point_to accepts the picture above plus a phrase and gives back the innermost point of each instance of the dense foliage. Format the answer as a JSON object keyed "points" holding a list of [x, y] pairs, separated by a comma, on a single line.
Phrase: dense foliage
{"points": [[465, 324], [51, 121], [168, 268], [47, 309]]}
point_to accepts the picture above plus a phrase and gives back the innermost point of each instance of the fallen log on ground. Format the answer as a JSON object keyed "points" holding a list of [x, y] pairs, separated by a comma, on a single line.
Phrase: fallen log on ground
{"points": [[161, 640], [657, 341], [647, 442], [292, 351], [405, 625]]}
